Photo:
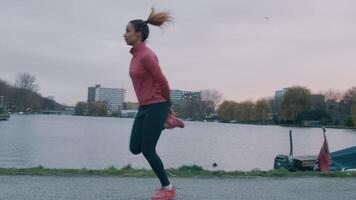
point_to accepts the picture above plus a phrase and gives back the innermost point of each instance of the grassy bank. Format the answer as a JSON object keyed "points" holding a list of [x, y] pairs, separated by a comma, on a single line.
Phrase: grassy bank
{"points": [[185, 171]]}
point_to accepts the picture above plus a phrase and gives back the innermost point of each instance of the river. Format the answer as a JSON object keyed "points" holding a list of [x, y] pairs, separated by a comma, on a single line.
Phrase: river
{"points": [[63, 141]]}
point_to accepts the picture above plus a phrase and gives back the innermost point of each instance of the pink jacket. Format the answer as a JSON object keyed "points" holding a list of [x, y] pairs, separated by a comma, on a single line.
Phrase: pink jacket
{"points": [[150, 85]]}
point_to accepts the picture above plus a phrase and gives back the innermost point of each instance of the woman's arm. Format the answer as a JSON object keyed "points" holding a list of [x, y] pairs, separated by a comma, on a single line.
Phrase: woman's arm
{"points": [[152, 65]]}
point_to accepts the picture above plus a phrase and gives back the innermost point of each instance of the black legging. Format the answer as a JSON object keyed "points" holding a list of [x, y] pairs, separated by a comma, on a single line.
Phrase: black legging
{"points": [[146, 130]]}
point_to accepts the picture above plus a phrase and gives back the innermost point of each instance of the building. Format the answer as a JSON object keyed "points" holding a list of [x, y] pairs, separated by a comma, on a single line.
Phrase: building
{"points": [[179, 96], [128, 113], [113, 97], [91, 93], [129, 109], [278, 100], [130, 106]]}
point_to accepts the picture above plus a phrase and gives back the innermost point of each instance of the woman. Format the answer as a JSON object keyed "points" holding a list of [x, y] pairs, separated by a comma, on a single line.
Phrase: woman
{"points": [[153, 94]]}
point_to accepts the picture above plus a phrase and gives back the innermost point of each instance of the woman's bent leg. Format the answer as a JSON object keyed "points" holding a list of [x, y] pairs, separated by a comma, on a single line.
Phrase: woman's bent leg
{"points": [[136, 135]]}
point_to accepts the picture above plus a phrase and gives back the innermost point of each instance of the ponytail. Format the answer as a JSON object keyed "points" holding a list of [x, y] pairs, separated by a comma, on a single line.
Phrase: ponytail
{"points": [[155, 19], [158, 18]]}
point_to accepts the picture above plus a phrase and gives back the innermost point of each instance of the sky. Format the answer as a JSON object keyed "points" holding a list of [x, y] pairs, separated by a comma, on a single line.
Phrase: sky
{"points": [[245, 49]]}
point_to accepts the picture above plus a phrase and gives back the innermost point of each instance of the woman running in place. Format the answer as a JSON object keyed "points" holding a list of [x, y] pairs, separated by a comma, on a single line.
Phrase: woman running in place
{"points": [[154, 97]]}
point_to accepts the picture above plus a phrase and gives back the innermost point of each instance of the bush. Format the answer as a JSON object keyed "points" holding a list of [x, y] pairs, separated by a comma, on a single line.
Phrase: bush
{"points": [[314, 115], [348, 122], [115, 114]]}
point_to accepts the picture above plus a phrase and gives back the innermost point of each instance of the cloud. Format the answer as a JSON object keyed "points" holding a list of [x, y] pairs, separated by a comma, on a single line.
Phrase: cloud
{"points": [[245, 49]]}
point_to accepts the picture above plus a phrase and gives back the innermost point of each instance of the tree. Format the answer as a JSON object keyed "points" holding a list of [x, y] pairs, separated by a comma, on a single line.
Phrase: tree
{"points": [[213, 97], [226, 111], [349, 99], [25, 94], [206, 109], [4, 92], [350, 96], [3, 88], [332, 94], [50, 104], [81, 108], [210, 99], [263, 109], [97, 109], [296, 100], [245, 111], [21, 98], [26, 81], [91, 109], [313, 115], [192, 108]]}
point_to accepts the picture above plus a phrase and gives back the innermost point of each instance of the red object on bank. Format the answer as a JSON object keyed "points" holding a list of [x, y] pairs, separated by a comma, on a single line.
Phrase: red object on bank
{"points": [[324, 155]]}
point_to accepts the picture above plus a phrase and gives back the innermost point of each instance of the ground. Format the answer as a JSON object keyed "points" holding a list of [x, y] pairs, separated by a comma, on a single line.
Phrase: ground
{"points": [[130, 188]]}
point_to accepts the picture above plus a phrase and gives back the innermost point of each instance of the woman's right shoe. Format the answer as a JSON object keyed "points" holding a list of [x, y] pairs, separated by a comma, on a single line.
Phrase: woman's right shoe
{"points": [[164, 194]]}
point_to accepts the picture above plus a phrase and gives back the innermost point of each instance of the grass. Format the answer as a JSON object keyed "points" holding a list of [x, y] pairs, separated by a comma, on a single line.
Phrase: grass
{"points": [[184, 171]]}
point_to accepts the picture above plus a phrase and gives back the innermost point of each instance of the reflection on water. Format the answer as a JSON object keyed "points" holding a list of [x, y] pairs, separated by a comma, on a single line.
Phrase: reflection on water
{"points": [[95, 143]]}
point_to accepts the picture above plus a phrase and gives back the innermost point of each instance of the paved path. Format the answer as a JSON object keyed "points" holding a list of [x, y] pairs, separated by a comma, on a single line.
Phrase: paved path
{"points": [[107, 188]]}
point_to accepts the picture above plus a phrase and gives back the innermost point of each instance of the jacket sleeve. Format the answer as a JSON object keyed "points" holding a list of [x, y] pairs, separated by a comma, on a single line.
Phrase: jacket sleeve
{"points": [[151, 64]]}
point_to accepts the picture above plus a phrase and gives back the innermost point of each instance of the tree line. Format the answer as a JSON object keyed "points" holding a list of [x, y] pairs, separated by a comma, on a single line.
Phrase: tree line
{"points": [[296, 106], [93, 109], [246, 111], [23, 96]]}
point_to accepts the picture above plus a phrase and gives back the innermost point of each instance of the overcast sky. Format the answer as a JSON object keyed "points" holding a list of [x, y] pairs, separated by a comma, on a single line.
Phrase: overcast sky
{"points": [[246, 49]]}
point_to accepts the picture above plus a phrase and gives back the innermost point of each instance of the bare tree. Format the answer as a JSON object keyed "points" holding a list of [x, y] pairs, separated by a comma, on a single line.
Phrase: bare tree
{"points": [[213, 96], [332, 94], [350, 96], [348, 100], [26, 81]]}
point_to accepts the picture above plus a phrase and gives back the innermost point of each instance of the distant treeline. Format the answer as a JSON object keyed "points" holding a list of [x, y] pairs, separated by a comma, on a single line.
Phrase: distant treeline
{"points": [[93, 109], [297, 105], [23, 97]]}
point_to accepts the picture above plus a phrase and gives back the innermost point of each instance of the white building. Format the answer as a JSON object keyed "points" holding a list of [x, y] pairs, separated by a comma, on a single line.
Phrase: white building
{"points": [[113, 97], [178, 95]]}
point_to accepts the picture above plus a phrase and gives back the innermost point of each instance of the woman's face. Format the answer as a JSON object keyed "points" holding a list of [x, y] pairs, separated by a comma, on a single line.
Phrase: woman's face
{"points": [[131, 36]]}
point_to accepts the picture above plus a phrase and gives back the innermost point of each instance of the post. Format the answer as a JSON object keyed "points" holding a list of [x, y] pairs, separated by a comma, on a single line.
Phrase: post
{"points": [[290, 157], [290, 143]]}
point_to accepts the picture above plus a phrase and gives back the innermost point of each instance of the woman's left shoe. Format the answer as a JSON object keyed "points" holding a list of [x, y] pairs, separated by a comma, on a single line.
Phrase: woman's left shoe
{"points": [[164, 194], [173, 122]]}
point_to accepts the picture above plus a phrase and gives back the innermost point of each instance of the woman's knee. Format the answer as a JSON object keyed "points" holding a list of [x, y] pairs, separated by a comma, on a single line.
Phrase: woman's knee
{"points": [[135, 150]]}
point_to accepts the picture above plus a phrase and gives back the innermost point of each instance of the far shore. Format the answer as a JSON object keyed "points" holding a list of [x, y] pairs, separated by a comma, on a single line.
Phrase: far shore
{"points": [[243, 123], [293, 125]]}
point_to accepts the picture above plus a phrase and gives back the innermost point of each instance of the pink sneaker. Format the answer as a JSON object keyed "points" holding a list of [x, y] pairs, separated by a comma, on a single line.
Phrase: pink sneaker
{"points": [[173, 122], [164, 194]]}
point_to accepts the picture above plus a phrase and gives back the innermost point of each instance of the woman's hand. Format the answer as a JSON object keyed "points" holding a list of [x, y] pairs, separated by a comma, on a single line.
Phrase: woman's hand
{"points": [[171, 111]]}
